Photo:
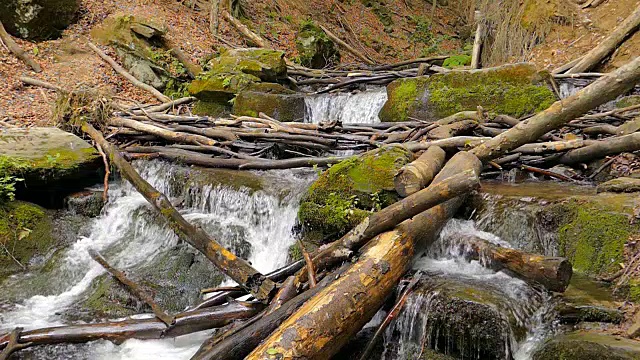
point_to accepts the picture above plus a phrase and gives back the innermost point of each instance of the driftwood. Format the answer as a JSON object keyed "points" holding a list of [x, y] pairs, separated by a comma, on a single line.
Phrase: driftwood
{"points": [[602, 148], [17, 50], [236, 268], [609, 44], [134, 288], [120, 70], [13, 344], [151, 328], [418, 174]]}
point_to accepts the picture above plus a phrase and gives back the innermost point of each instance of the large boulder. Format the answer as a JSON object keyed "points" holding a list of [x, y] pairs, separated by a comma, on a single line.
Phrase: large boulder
{"points": [[515, 90], [37, 19], [52, 162], [315, 49], [581, 345], [347, 192], [274, 100]]}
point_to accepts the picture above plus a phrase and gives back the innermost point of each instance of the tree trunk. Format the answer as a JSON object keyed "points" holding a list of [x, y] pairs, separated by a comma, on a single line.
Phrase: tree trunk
{"points": [[477, 42], [416, 175], [609, 44], [602, 148], [243, 29], [606, 88], [236, 268]]}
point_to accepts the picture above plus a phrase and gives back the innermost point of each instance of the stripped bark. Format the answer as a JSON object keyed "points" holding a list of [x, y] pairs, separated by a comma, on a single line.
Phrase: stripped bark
{"points": [[416, 175], [17, 50], [477, 42], [236, 268]]}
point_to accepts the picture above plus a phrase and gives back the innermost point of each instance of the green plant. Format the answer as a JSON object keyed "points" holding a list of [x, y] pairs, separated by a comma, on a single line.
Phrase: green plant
{"points": [[8, 187], [457, 61]]}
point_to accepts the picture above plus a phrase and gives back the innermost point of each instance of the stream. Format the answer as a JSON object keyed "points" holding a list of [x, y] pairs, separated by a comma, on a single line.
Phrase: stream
{"points": [[261, 225]]}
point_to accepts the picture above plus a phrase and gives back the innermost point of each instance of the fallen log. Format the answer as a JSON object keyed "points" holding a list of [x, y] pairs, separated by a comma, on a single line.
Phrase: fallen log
{"points": [[236, 268], [251, 37], [601, 148], [170, 135], [553, 273], [346, 46], [13, 344], [418, 174], [453, 129], [17, 50], [609, 44], [606, 88], [151, 328]]}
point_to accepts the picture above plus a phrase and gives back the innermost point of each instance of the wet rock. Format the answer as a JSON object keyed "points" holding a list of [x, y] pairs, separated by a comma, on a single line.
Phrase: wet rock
{"points": [[346, 193], [620, 185], [37, 19], [514, 90], [316, 50], [52, 163], [25, 234], [86, 203], [588, 345], [587, 300], [275, 101]]}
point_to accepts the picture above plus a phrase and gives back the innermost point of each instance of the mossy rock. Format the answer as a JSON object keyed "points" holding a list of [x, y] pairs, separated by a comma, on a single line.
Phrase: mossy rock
{"points": [[347, 192], [628, 101], [25, 232], [278, 106], [581, 345], [52, 163], [209, 108], [315, 49], [620, 185], [37, 19], [514, 90]]}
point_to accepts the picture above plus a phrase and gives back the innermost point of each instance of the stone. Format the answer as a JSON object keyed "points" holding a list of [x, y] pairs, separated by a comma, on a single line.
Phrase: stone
{"points": [[37, 19], [347, 192], [515, 90], [620, 185], [315, 49], [627, 101], [52, 162], [276, 101], [582, 345]]}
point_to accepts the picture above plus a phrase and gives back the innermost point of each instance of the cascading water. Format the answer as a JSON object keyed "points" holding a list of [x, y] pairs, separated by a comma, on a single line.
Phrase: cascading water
{"points": [[418, 327], [349, 108], [129, 234]]}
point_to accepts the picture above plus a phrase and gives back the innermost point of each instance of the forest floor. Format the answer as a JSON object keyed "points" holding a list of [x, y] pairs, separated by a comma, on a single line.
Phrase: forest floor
{"points": [[69, 63]]}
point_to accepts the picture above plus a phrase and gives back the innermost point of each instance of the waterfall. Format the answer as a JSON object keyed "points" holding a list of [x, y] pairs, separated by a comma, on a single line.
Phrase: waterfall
{"points": [[129, 232], [349, 108]]}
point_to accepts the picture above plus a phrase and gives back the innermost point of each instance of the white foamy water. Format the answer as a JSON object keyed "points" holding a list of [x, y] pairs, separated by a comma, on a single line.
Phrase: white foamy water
{"points": [[129, 233], [349, 108]]}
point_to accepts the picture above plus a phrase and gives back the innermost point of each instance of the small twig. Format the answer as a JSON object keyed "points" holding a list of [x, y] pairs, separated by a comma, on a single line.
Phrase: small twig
{"points": [[546, 172], [602, 167], [107, 172], [220, 288], [14, 344], [310, 268], [40, 83], [134, 288]]}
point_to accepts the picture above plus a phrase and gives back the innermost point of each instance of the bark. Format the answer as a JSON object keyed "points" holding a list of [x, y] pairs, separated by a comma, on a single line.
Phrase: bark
{"points": [[17, 50], [287, 292], [552, 146], [40, 83], [447, 144], [120, 70], [329, 319], [609, 44], [553, 273], [602, 148], [606, 88], [311, 271], [453, 129], [192, 68], [410, 62], [346, 46], [13, 344], [416, 175], [152, 328], [236, 268], [133, 288]]}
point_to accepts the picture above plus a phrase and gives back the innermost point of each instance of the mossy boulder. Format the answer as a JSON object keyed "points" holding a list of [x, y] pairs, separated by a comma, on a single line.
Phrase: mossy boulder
{"points": [[25, 232], [620, 185], [514, 90], [347, 192], [275, 101], [581, 345], [52, 163], [236, 70], [37, 19], [315, 49]]}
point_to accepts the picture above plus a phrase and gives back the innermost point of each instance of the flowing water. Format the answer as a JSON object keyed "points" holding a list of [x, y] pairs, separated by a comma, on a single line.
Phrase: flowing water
{"points": [[349, 108], [129, 234]]}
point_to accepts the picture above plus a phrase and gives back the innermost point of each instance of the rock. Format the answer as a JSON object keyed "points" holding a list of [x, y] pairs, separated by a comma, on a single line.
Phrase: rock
{"points": [[277, 102], [459, 317], [25, 232], [626, 101], [582, 345], [346, 193], [37, 19], [86, 203], [52, 163], [620, 185], [587, 300], [235, 70], [515, 90], [559, 220], [315, 49]]}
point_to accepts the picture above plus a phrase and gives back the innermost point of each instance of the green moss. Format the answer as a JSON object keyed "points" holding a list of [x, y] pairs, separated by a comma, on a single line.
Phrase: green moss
{"points": [[104, 301], [25, 231], [295, 253], [280, 107], [314, 47], [628, 101], [211, 109], [346, 193], [593, 240], [634, 290], [404, 95]]}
